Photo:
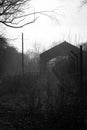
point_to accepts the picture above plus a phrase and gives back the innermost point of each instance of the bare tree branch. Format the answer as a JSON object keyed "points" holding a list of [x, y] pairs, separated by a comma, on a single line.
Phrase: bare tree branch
{"points": [[10, 9], [83, 3], [11, 25], [12, 13], [21, 18]]}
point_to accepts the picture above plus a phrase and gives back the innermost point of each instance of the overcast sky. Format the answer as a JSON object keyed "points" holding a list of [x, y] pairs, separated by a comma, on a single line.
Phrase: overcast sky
{"points": [[70, 24]]}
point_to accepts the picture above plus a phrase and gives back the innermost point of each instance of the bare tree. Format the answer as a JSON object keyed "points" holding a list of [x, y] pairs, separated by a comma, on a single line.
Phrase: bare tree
{"points": [[11, 10], [12, 13], [84, 2]]}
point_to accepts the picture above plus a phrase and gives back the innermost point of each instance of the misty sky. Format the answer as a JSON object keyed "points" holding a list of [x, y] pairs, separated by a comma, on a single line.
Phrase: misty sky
{"points": [[69, 23]]}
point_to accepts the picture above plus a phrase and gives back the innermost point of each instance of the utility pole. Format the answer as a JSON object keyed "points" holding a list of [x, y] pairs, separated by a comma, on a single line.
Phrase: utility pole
{"points": [[22, 54], [81, 69], [82, 103]]}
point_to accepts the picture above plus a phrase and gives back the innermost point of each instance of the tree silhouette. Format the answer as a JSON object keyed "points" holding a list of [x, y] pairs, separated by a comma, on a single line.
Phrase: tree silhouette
{"points": [[3, 46], [84, 2], [13, 12], [12, 61]]}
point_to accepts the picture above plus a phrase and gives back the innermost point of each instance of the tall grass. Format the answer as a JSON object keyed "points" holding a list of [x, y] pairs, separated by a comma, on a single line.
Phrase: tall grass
{"points": [[41, 91], [41, 99]]}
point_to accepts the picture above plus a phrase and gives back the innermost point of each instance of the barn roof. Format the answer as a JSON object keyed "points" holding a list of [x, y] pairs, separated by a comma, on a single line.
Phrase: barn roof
{"points": [[63, 49]]}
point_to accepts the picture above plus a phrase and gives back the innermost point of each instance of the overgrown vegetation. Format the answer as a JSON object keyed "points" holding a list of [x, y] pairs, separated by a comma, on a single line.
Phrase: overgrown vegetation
{"points": [[34, 100]]}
